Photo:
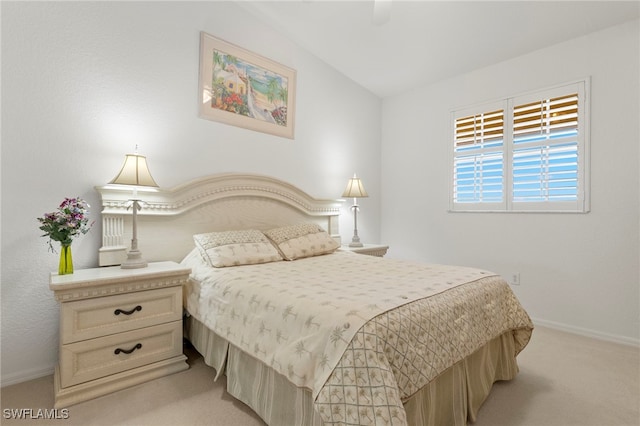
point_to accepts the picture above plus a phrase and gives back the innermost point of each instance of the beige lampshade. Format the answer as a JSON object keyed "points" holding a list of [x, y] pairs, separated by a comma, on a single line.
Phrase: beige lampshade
{"points": [[134, 172], [355, 188]]}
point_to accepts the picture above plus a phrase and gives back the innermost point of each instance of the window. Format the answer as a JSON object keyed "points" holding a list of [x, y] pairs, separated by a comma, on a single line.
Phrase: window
{"points": [[524, 153]]}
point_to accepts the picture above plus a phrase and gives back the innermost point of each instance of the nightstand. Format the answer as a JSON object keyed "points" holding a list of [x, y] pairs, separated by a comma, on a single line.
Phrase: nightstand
{"points": [[118, 328], [368, 249]]}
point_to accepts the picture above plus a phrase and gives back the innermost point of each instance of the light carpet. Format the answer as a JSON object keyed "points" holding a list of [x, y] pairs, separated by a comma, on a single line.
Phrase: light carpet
{"points": [[564, 380]]}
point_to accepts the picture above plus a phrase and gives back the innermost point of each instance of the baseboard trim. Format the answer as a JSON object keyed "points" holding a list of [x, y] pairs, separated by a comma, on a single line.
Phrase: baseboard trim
{"points": [[25, 376], [628, 341]]}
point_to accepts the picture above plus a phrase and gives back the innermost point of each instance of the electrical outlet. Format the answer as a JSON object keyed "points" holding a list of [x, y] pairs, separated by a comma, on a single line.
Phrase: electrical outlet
{"points": [[515, 278]]}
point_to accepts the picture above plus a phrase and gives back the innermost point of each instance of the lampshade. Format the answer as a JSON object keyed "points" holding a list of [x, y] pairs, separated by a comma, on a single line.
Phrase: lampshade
{"points": [[355, 188], [134, 172]]}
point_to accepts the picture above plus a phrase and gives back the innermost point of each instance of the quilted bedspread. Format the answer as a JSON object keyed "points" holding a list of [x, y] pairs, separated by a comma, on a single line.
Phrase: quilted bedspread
{"points": [[362, 333]]}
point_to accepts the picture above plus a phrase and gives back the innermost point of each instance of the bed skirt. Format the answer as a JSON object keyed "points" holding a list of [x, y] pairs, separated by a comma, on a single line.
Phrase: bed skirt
{"points": [[454, 398]]}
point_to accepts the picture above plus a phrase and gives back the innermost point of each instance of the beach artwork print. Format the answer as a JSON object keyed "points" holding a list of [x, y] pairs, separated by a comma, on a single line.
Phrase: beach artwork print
{"points": [[243, 89]]}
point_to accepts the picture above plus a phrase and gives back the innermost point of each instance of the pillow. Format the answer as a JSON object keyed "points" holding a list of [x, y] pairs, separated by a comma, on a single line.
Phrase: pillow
{"points": [[304, 240], [234, 248]]}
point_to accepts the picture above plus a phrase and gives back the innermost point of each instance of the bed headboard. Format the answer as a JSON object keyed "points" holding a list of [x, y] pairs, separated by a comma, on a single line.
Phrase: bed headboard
{"points": [[170, 217]]}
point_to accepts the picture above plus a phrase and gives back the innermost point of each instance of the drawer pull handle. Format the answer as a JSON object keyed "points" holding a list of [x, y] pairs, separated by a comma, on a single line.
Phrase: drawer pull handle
{"points": [[121, 311], [124, 351]]}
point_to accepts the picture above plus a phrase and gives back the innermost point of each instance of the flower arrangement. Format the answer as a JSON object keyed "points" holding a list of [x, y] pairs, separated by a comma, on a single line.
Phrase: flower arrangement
{"points": [[235, 103], [280, 115], [67, 222]]}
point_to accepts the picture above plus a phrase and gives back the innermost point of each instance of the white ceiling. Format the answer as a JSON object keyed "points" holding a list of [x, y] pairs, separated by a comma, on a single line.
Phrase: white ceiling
{"points": [[426, 41]]}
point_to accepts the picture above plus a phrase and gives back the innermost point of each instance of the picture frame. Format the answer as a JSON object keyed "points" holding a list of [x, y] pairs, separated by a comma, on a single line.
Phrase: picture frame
{"points": [[243, 89]]}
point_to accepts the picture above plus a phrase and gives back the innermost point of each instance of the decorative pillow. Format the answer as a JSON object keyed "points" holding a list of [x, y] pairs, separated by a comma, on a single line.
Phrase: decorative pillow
{"points": [[234, 248], [304, 240]]}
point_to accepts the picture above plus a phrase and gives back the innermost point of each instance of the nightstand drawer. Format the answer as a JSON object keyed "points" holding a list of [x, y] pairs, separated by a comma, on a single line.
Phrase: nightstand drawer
{"points": [[103, 316], [95, 358]]}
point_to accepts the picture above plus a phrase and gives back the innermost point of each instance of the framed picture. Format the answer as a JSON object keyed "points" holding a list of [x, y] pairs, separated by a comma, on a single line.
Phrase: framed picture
{"points": [[243, 89]]}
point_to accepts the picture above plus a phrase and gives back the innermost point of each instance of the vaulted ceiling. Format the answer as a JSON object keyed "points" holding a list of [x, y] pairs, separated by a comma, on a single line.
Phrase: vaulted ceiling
{"points": [[419, 42]]}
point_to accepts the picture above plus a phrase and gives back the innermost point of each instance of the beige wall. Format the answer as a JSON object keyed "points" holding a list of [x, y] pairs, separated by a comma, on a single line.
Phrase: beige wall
{"points": [[84, 82], [579, 272]]}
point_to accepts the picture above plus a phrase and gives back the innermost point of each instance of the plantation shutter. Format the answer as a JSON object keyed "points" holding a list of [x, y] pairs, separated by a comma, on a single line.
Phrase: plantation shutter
{"points": [[545, 150], [523, 153], [479, 158], [480, 129]]}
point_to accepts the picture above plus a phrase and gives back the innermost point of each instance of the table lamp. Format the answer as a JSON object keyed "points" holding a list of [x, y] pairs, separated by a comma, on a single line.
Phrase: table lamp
{"points": [[355, 190], [134, 172]]}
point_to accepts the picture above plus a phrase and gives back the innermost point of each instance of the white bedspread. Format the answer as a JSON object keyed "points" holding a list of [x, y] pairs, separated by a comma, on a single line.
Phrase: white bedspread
{"points": [[298, 317]]}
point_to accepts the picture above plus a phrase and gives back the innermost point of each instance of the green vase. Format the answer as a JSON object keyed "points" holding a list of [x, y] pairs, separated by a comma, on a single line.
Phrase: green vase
{"points": [[66, 262]]}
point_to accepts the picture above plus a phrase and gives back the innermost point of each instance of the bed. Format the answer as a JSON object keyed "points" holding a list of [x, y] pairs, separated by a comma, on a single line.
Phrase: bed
{"points": [[309, 334]]}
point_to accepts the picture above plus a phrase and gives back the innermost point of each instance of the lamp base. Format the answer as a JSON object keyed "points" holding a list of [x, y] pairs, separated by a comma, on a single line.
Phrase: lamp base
{"points": [[134, 260], [355, 242]]}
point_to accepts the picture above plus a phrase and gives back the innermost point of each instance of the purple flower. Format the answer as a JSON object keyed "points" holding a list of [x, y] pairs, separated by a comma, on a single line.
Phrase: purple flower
{"points": [[69, 221]]}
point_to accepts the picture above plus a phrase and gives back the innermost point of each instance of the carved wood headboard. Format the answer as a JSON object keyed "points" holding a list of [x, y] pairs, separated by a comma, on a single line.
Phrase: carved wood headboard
{"points": [[170, 217]]}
